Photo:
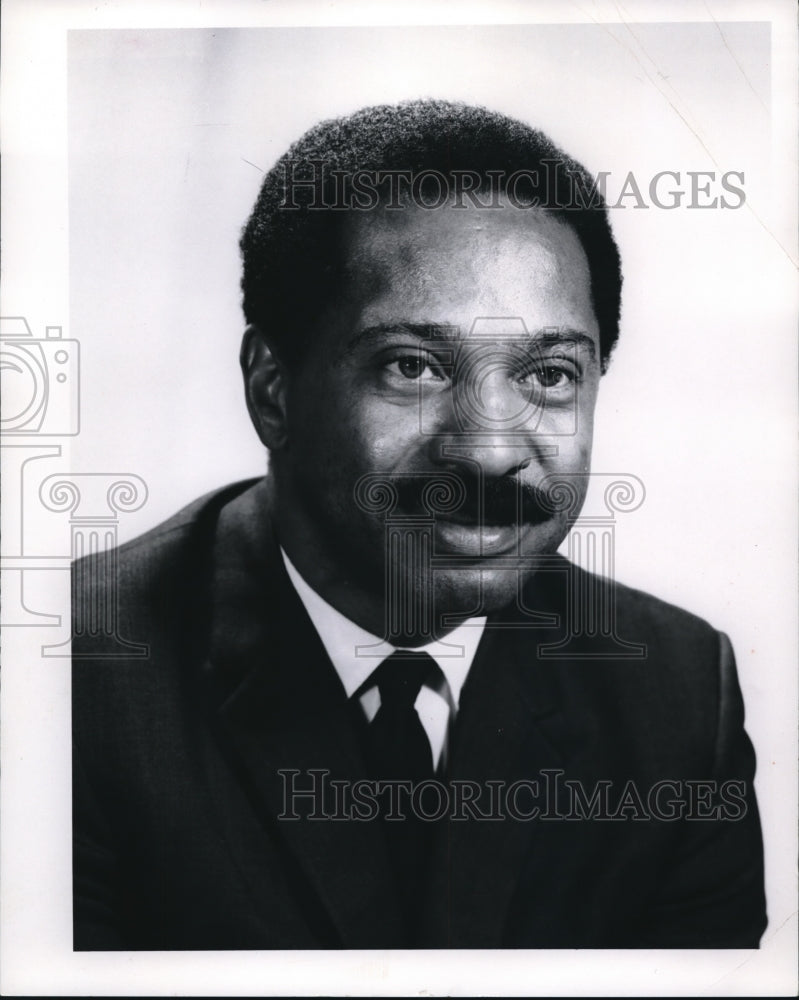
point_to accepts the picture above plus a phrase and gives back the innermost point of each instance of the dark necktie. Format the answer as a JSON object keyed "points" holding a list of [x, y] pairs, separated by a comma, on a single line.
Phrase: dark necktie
{"points": [[398, 749], [398, 744]]}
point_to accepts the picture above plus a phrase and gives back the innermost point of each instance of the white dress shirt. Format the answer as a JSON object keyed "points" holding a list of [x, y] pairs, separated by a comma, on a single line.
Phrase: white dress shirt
{"points": [[355, 653]]}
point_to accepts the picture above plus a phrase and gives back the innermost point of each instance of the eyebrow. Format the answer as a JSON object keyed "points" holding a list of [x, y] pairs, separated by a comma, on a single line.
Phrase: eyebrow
{"points": [[546, 336]]}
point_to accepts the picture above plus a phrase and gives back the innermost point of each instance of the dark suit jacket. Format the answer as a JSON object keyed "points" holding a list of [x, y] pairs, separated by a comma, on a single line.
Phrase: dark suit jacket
{"points": [[178, 842]]}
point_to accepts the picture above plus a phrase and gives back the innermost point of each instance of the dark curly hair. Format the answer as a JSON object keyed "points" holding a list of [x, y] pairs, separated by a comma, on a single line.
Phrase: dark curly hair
{"points": [[291, 244]]}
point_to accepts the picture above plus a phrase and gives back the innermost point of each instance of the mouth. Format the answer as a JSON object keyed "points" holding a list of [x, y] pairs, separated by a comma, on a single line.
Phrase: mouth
{"points": [[460, 535], [491, 519]]}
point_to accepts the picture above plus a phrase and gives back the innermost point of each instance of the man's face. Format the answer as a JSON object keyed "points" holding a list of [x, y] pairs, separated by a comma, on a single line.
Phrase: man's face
{"points": [[464, 346]]}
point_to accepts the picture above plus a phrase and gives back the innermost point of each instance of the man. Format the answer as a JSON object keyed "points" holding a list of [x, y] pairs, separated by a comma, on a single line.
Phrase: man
{"points": [[378, 709]]}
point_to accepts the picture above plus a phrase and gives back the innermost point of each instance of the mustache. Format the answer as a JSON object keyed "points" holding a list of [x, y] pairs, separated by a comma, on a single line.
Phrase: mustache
{"points": [[503, 500]]}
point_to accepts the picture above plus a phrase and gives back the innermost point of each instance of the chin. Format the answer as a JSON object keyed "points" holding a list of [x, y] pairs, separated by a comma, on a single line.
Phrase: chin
{"points": [[473, 592], [481, 588]]}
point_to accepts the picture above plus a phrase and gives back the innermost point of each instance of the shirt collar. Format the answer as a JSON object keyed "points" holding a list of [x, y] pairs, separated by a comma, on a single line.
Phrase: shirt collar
{"points": [[355, 653]]}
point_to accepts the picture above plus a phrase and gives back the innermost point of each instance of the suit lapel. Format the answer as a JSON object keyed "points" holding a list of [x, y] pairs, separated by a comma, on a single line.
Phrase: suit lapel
{"points": [[510, 728], [288, 723]]}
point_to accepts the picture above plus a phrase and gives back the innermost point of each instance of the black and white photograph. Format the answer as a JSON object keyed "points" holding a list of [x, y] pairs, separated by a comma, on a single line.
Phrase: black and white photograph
{"points": [[399, 489]]}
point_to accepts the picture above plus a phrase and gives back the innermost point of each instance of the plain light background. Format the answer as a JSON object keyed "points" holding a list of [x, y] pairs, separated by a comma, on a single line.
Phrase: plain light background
{"points": [[169, 133]]}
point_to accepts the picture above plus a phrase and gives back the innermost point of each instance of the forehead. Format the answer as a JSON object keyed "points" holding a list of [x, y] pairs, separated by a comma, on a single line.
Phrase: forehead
{"points": [[456, 265]]}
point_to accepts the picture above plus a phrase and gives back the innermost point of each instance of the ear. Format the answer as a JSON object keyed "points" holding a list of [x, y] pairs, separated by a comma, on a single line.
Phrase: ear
{"points": [[265, 385]]}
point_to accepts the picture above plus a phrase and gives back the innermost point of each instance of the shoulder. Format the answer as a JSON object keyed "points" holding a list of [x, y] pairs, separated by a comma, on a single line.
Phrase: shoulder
{"points": [[664, 622], [675, 673], [596, 595], [152, 588], [189, 523], [677, 647], [141, 615], [162, 548], [636, 653], [595, 604]]}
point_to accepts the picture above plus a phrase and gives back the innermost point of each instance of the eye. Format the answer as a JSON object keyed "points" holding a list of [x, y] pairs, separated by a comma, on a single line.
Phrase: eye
{"points": [[550, 377], [414, 367], [553, 378]]}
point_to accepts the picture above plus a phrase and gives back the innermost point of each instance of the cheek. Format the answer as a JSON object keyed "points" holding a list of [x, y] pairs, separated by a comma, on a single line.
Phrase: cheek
{"points": [[378, 435], [575, 448], [574, 451], [340, 444]]}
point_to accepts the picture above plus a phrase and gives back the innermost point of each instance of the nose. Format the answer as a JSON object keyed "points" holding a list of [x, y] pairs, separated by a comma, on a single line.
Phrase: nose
{"points": [[492, 422]]}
